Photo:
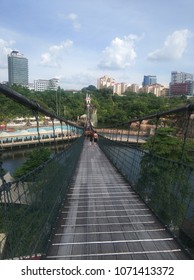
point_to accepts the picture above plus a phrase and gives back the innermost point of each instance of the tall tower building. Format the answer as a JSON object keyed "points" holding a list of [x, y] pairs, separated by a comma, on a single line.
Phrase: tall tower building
{"points": [[17, 69], [149, 80], [181, 83], [180, 77]]}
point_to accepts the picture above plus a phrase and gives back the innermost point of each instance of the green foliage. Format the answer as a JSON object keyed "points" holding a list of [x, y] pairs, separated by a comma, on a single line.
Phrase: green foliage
{"points": [[164, 185], [35, 159], [166, 144], [164, 180], [110, 108], [28, 225]]}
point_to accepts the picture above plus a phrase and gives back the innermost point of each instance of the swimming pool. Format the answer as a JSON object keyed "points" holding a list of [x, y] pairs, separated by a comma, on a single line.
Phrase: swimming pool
{"points": [[45, 132], [48, 128]]}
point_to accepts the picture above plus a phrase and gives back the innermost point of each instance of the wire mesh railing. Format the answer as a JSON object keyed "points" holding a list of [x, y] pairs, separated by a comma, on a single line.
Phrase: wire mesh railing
{"points": [[156, 155], [30, 204]]}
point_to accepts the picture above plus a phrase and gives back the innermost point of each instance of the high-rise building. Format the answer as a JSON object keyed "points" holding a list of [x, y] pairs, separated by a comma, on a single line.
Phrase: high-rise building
{"points": [[17, 69], [180, 77], [149, 80], [181, 83]]}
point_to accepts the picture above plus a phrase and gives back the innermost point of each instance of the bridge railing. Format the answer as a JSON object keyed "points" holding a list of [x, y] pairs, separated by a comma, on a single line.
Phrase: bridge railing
{"points": [[156, 155], [30, 204]]}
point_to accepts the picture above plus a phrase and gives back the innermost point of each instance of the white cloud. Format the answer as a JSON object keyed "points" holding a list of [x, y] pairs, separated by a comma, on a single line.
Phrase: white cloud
{"points": [[120, 54], [4, 51], [78, 80], [174, 46], [54, 56], [74, 19]]}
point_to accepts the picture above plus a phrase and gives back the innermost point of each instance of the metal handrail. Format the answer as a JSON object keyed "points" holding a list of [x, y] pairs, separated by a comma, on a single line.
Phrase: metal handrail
{"points": [[189, 108], [33, 105]]}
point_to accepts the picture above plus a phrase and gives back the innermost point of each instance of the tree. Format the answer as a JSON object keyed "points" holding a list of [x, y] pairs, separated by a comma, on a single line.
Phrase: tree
{"points": [[90, 88], [164, 180], [35, 159], [165, 143], [131, 104]]}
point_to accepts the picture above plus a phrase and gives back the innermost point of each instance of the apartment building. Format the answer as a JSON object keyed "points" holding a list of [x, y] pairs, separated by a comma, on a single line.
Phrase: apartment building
{"points": [[105, 82], [156, 89]]}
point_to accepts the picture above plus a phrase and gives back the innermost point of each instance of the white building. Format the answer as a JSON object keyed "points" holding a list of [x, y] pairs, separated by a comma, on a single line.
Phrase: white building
{"points": [[42, 85], [156, 89], [105, 82], [117, 88], [134, 88], [123, 87], [108, 82]]}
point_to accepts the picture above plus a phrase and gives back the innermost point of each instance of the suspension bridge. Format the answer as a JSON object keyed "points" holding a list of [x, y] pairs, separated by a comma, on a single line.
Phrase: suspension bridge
{"points": [[117, 199]]}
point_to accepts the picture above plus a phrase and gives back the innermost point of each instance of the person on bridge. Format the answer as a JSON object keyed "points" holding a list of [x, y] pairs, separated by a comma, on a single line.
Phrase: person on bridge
{"points": [[95, 137], [91, 137]]}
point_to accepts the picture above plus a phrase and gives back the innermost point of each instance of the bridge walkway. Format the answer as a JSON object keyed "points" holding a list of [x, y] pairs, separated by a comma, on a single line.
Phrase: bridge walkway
{"points": [[103, 218]]}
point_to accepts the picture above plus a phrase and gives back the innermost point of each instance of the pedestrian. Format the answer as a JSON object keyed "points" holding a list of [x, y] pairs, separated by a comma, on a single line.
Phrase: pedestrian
{"points": [[95, 137], [87, 134], [91, 137]]}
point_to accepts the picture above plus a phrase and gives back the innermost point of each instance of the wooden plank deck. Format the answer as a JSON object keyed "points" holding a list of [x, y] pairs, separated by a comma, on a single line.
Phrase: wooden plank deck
{"points": [[103, 218]]}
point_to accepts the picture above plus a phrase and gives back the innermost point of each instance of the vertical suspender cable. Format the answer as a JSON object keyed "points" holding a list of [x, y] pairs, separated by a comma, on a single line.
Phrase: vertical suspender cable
{"points": [[155, 132], [62, 134], [185, 134], [139, 127], [53, 125], [37, 125]]}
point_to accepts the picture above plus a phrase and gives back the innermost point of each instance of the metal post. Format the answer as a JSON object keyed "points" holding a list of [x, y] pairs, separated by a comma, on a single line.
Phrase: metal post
{"points": [[155, 132], [185, 134], [128, 133], [2, 171], [62, 134], [37, 125], [139, 127], [54, 135]]}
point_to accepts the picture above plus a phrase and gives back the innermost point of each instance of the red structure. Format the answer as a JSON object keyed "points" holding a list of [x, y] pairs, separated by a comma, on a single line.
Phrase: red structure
{"points": [[2, 127], [180, 89]]}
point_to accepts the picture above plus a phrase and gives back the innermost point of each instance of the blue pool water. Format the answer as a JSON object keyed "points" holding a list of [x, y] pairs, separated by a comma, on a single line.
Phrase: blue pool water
{"points": [[48, 128]]}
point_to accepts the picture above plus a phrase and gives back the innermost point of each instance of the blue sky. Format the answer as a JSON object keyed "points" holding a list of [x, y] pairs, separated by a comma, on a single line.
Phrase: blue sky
{"points": [[81, 40]]}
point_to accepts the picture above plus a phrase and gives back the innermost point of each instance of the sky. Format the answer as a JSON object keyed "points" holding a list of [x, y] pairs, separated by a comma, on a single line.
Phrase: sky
{"points": [[79, 41]]}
